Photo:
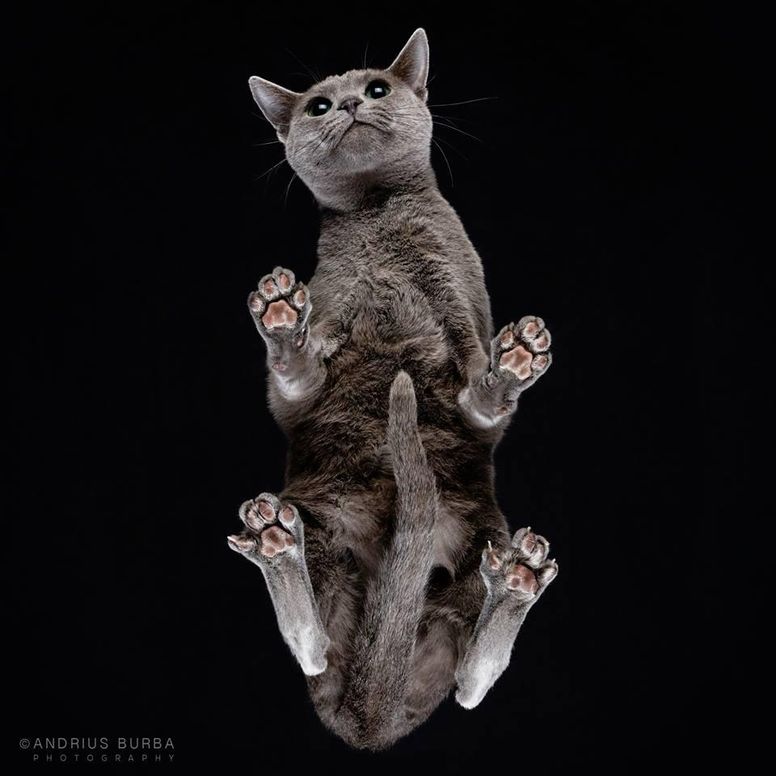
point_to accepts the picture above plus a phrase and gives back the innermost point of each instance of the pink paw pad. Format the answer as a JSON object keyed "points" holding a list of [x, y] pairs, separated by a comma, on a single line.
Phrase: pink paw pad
{"points": [[522, 568], [492, 558], [241, 543], [518, 361], [521, 578], [266, 510], [287, 516], [256, 303], [522, 348], [272, 528], [280, 307], [275, 540], [279, 313]]}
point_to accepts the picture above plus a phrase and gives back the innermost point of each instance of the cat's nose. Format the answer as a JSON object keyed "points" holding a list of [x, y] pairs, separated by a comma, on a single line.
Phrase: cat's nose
{"points": [[350, 104]]}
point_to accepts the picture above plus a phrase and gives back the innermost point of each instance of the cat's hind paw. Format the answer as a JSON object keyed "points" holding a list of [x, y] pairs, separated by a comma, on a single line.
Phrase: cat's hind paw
{"points": [[522, 570], [271, 529]]}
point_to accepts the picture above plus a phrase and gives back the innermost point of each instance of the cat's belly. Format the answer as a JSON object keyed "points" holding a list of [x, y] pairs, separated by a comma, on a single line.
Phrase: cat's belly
{"points": [[339, 465], [362, 519], [343, 435], [338, 460], [397, 317]]}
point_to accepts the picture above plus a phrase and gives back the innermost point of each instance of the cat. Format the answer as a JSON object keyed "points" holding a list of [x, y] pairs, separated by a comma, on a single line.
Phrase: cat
{"points": [[391, 569]]}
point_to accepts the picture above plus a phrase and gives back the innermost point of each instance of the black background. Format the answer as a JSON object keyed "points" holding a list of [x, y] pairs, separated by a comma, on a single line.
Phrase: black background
{"points": [[142, 215]]}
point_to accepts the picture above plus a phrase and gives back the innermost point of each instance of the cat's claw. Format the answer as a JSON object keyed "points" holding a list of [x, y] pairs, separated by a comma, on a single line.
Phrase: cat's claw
{"points": [[523, 570], [280, 308]]}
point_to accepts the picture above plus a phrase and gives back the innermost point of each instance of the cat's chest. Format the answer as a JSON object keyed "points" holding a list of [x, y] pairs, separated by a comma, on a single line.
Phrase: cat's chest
{"points": [[385, 283], [381, 251], [392, 305]]}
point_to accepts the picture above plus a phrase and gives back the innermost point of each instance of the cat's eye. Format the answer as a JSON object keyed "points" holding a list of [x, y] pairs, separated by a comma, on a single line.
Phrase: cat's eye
{"points": [[377, 89], [318, 106]]}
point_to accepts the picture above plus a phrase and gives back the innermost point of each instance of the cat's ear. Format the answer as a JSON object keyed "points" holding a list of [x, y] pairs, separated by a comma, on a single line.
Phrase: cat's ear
{"points": [[412, 63], [276, 103]]}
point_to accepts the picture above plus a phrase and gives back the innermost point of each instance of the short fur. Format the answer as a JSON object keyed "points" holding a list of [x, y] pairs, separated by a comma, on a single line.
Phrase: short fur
{"points": [[389, 562]]}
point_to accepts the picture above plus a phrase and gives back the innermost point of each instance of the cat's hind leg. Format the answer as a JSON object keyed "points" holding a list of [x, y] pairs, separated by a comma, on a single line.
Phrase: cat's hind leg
{"points": [[519, 356], [280, 308], [273, 539], [514, 578]]}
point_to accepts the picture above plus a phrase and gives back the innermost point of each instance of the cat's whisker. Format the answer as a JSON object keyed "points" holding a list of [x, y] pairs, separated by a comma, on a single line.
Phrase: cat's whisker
{"points": [[452, 147], [274, 167], [288, 188], [453, 119], [462, 102], [444, 156], [301, 74], [309, 71], [455, 129], [316, 142]]}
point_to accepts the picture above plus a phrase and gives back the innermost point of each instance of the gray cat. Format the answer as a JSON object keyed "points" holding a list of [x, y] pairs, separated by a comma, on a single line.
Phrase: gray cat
{"points": [[390, 566]]}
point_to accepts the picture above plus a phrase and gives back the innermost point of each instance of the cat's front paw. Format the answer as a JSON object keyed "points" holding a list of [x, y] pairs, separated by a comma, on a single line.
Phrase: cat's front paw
{"points": [[280, 308], [522, 570], [522, 350], [519, 356]]}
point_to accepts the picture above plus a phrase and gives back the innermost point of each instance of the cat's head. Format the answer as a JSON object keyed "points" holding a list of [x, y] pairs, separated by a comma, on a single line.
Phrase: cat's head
{"points": [[366, 127]]}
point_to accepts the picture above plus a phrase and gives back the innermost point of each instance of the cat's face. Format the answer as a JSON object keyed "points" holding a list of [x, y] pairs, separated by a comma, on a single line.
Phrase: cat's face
{"points": [[364, 124], [356, 122]]}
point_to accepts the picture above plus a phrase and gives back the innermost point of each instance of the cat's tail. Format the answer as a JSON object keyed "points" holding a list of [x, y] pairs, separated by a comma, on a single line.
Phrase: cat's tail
{"points": [[383, 648]]}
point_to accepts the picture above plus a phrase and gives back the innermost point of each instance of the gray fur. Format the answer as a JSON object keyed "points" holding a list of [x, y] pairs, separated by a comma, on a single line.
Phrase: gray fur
{"points": [[394, 599], [393, 392]]}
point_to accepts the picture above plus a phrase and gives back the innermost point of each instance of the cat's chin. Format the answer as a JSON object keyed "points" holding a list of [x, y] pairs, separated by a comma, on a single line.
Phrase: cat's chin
{"points": [[360, 137], [362, 148]]}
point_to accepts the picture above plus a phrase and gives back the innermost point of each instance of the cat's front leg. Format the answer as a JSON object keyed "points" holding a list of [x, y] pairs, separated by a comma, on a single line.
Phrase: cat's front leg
{"points": [[280, 308], [519, 356], [514, 579]]}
